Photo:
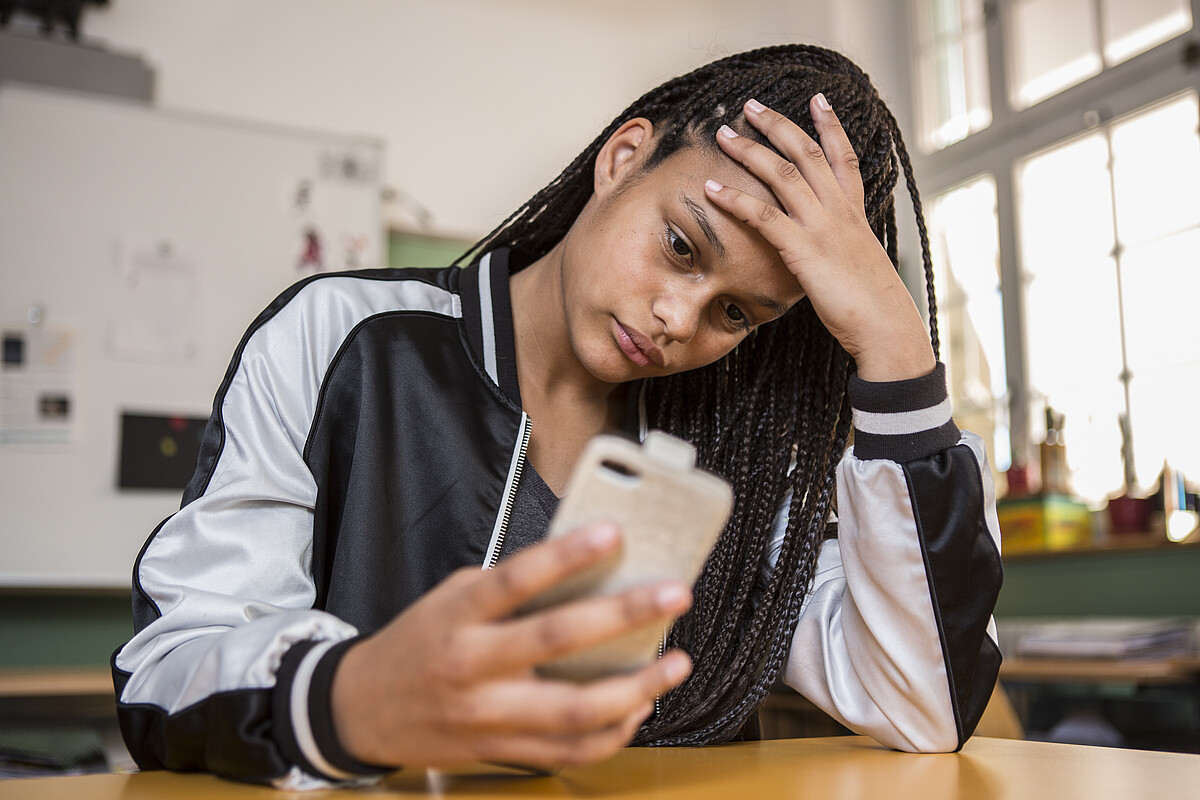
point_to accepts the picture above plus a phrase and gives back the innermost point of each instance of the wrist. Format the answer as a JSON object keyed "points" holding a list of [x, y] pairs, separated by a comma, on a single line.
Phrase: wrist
{"points": [[304, 713], [350, 706], [891, 343], [896, 363], [896, 353]]}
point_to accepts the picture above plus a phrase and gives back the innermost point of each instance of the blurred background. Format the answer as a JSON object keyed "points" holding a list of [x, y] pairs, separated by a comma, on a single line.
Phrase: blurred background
{"points": [[168, 167]]}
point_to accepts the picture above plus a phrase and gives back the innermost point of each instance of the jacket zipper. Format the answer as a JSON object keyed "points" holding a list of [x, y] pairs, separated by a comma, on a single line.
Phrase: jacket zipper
{"points": [[506, 512], [518, 468], [662, 649]]}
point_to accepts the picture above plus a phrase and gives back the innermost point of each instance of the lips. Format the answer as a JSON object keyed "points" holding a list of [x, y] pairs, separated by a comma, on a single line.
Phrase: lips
{"points": [[638, 348]]}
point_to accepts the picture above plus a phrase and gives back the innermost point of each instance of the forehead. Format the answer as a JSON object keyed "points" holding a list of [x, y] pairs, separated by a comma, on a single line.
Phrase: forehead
{"points": [[698, 164], [678, 184]]}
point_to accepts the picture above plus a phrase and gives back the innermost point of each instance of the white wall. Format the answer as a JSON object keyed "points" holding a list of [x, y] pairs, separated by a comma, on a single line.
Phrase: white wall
{"points": [[480, 102]]}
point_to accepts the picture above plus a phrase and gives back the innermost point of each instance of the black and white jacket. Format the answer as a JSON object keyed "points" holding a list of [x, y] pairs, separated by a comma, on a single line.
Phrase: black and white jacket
{"points": [[365, 443]]}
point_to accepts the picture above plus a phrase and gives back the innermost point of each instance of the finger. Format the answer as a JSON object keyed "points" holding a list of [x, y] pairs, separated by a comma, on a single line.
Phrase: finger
{"points": [[838, 149], [545, 707], [782, 176], [805, 152], [497, 593], [771, 223], [574, 627], [554, 751]]}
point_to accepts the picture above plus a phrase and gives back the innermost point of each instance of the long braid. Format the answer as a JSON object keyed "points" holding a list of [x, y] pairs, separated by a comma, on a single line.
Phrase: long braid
{"points": [[772, 417], [914, 195]]}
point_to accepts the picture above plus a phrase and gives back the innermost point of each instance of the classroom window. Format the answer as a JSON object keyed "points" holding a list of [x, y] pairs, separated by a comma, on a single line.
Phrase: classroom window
{"points": [[1066, 209], [1057, 44], [951, 66], [1110, 232]]}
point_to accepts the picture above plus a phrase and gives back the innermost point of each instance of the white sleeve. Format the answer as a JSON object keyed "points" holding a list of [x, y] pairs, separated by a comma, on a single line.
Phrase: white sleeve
{"points": [[895, 638], [223, 589]]}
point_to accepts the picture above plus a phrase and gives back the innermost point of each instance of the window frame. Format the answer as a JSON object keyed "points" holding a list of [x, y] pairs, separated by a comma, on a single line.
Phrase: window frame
{"points": [[1164, 70]]}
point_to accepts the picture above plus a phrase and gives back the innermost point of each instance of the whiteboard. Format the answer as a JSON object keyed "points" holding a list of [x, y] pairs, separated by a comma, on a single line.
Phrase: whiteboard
{"points": [[85, 182]]}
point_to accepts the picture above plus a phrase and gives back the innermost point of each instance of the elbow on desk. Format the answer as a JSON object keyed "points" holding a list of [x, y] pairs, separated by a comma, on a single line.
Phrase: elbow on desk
{"points": [[948, 730], [910, 718], [921, 737]]}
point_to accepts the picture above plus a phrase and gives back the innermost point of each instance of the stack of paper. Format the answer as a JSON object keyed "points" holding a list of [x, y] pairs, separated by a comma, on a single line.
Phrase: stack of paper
{"points": [[1110, 638]]}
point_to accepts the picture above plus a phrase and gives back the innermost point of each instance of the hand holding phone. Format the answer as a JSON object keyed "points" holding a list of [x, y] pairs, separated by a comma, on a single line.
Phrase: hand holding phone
{"points": [[670, 514]]}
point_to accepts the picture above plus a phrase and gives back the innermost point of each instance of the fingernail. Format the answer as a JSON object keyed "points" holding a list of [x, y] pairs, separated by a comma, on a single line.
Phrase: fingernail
{"points": [[755, 106], [671, 596], [822, 103], [727, 132], [601, 536], [678, 669], [713, 186]]}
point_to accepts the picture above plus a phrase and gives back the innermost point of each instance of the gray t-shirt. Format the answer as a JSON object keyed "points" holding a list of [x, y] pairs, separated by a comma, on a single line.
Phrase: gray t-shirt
{"points": [[533, 506]]}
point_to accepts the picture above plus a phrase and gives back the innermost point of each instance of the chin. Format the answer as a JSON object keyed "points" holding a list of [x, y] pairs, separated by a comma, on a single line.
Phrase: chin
{"points": [[607, 368], [610, 373]]}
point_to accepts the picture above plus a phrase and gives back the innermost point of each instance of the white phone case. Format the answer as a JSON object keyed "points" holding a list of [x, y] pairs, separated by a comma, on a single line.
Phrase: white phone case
{"points": [[670, 514]]}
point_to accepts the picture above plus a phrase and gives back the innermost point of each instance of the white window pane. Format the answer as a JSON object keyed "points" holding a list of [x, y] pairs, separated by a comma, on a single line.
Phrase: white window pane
{"points": [[951, 71], [1072, 319], [963, 227], [1053, 47], [941, 123], [953, 93], [939, 19], [1065, 209], [1161, 408], [1073, 326], [1156, 168], [1161, 284], [1134, 27], [965, 244], [975, 80]]}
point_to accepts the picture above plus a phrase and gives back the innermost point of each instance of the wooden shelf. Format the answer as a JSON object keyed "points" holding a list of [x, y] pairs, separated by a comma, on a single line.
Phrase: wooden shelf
{"points": [[1063, 670], [1117, 544], [51, 682]]}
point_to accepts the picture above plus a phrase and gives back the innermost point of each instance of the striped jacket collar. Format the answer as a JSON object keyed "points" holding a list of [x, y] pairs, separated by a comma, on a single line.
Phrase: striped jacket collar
{"points": [[488, 321]]}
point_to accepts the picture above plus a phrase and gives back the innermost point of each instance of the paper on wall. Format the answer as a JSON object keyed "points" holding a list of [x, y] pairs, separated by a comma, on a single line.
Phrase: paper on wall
{"points": [[37, 379], [157, 295]]}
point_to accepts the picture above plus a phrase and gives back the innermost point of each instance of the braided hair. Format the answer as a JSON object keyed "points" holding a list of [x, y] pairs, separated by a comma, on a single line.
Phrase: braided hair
{"points": [[772, 417]]}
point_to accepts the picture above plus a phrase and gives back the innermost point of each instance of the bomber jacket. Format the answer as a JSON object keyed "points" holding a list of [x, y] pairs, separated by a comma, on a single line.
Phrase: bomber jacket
{"points": [[367, 440]]}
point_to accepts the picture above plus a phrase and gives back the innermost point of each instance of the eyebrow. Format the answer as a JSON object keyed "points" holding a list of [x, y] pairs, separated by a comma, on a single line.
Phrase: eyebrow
{"points": [[705, 225], [767, 302]]}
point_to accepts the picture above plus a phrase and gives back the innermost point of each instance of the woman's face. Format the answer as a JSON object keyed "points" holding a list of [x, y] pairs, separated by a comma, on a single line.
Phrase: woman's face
{"points": [[658, 280]]}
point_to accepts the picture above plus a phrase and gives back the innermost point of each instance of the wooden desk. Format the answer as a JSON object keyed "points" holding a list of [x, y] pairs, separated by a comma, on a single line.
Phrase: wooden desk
{"points": [[838, 768]]}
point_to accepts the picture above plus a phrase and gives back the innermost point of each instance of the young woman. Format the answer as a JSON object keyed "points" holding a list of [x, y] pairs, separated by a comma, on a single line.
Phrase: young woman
{"points": [[719, 263]]}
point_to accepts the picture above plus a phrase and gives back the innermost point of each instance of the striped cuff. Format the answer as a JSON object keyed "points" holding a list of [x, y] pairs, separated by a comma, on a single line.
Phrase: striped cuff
{"points": [[303, 713], [902, 420]]}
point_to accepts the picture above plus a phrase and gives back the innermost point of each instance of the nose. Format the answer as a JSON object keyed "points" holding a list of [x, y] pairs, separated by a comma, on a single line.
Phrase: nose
{"points": [[679, 309]]}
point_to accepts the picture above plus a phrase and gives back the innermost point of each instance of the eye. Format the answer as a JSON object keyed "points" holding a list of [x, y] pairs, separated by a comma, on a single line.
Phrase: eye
{"points": [[737, 317], [678, 245]]}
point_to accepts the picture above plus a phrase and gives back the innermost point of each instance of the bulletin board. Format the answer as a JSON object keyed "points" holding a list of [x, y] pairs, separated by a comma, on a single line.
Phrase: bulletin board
{"points": [[136, 246]]}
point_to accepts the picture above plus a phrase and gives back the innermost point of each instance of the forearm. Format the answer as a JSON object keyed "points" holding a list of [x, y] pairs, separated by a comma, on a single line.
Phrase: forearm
{"points": [[198, 691], [199, 683], [894, 639]]}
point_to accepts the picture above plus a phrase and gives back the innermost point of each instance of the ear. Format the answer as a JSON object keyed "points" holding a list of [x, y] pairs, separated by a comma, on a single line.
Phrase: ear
{"points": [[621, 154]]}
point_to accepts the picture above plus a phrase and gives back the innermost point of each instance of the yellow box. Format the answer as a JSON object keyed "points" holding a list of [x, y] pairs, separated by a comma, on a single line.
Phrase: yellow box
{"points": [[1054, 522]]}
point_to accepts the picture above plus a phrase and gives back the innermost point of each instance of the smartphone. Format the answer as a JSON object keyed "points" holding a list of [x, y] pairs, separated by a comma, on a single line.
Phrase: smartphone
{"points": [[670, 514]]}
